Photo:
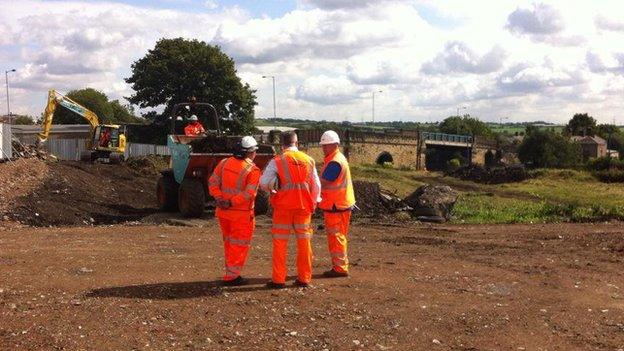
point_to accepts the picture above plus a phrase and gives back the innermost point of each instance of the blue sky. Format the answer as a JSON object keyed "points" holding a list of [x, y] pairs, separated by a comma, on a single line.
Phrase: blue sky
{"points": [[522, 60]]}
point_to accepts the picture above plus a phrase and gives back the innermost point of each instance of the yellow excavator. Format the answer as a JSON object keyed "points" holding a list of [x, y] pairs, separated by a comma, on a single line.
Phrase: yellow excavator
{"points": [[107, 142]]}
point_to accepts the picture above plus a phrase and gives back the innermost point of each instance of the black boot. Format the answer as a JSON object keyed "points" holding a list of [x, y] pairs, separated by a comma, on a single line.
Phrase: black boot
{"points": [[238, 281], [334, 274], [301, 284]]}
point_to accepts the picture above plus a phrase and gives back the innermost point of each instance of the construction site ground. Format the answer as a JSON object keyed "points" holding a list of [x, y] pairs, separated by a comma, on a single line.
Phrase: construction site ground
{"points": [[412, 287], [88, 263]]}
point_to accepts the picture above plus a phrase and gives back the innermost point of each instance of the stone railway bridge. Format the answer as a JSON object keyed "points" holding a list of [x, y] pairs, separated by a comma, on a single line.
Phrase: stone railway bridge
{"points": [[403, 148]]}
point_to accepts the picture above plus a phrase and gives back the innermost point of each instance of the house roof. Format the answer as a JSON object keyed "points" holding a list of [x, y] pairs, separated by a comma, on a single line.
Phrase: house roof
{"points": [[589, 140]]}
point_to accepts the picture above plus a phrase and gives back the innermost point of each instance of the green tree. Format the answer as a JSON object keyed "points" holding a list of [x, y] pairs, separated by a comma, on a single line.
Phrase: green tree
{"points": [[547, 149], [111, 112], [613, 135], [581, 124], [465, 125], [178, 69], [23, 120]]}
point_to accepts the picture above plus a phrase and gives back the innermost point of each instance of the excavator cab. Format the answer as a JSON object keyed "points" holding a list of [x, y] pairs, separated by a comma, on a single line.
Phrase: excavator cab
{"points": [[108, 144], [107, 141]]}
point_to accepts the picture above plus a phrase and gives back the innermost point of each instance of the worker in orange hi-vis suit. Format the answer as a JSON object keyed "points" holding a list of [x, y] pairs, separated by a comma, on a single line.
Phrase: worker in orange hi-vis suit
{"points": [[294, 185], [337, 202], [194, 128], [234, 185]]}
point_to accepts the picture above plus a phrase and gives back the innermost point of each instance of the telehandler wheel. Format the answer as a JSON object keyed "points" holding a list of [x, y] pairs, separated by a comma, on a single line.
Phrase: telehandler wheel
{"points": [[261, 205], [167, 193], [191, 198], [86, 156]]}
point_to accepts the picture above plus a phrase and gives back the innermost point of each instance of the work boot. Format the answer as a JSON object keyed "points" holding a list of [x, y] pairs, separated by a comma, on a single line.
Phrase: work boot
{"points": [[334, 274], [238, 281], [301, 284], [272, 285]]}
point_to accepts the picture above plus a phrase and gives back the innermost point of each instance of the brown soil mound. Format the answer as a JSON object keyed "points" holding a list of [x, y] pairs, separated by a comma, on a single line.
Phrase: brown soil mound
{"points": [[74, 193], [19, 178], [372, 201]]}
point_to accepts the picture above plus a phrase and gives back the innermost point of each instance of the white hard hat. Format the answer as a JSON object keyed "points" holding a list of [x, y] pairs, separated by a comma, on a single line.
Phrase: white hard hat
{"points": [[193, 118], [249, 144], [330, 137]]}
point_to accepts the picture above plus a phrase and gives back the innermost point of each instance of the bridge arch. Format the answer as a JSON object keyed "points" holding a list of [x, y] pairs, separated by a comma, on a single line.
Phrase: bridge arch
{"points": [[384, 157]]}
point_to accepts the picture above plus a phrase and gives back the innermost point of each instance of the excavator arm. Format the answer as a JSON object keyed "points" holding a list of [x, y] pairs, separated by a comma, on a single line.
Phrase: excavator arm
{"points": [[55, 99]]}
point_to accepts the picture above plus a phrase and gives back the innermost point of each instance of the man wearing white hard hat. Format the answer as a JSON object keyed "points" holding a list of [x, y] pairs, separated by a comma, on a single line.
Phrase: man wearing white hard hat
{"points": [[194, 128], [234, 185], [337, 201]]}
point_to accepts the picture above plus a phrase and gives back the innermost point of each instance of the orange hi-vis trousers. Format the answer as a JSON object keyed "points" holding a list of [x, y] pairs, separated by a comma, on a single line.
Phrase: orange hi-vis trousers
{"points": [[286, 222], [337, 228], [237, 233]]}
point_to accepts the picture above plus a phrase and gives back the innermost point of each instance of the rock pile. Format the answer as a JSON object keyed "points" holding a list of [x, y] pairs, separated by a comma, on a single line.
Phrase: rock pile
{"points": [[373, 201], [432, 203]]}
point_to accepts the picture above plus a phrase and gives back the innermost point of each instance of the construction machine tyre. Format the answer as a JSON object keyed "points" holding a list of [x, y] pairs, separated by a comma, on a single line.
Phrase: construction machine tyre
{"points": [[115, 158], [86, 156], [167, 193], [261, 204], [191, 198]]}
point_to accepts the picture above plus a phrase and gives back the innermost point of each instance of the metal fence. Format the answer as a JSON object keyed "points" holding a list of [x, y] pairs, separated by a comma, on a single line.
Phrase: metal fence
{"points": [[133, 150], [70, 149]]}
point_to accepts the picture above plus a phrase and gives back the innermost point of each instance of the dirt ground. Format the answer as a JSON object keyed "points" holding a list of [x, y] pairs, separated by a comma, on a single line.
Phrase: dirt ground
{"points": [[39, 193], [413, 287]]}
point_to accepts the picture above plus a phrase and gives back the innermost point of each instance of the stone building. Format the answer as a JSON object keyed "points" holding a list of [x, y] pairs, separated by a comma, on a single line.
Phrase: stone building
{"points": [[591, 146]]}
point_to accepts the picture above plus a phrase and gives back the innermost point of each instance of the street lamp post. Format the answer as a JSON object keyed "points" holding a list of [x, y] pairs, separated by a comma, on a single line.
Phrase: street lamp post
{"points": [[378, 91], [6, 79], [272, 77]]}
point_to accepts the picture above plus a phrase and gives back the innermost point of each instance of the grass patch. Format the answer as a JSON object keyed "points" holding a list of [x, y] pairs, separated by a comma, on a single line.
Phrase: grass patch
{"points": [[399, 180], [551, 196], [480, 208]]}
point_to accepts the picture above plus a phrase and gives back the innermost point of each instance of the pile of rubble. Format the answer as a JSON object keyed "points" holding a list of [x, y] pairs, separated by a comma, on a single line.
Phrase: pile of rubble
{"points": [[21, 150], [427, 203], [373, 201], [491, 175]]}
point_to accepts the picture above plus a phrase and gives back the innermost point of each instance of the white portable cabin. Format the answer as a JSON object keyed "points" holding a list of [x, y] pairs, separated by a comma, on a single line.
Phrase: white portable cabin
{"points": [[6, 151]]}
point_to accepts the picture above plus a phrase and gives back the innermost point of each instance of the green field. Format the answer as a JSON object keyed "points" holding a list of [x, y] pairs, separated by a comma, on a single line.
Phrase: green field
{"points": [[552, 196]]}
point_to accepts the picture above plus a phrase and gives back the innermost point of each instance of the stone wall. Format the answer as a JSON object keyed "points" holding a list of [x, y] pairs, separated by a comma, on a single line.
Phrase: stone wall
{"points": [[406, 148], [365, 148]]}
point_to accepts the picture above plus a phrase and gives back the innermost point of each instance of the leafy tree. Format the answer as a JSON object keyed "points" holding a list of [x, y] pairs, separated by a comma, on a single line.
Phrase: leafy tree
{"points": [[547, 149], [581, 124], [465, 125], [23, 120], [107, 111], [178, 69], [613, 135]]}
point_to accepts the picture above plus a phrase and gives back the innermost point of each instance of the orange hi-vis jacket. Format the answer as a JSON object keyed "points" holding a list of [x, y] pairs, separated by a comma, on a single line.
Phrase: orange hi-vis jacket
{"points": [[235, 180], [193, 129], [293, 169], [337, 195]]}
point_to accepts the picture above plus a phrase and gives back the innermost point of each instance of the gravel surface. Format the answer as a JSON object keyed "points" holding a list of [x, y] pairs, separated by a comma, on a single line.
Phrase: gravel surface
{"points": [[416, 287]]}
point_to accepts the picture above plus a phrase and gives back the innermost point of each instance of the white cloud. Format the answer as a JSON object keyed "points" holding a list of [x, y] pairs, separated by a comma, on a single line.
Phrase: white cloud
{"points": [[211, 4], [458, 58], [528, 78], [542, 19], [345, 4], [605, 23], [328, 91], [328, 55], [596, 63]]}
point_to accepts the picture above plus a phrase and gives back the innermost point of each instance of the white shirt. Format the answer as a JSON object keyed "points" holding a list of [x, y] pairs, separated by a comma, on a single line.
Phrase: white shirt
{"points": [[270, 174]]}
